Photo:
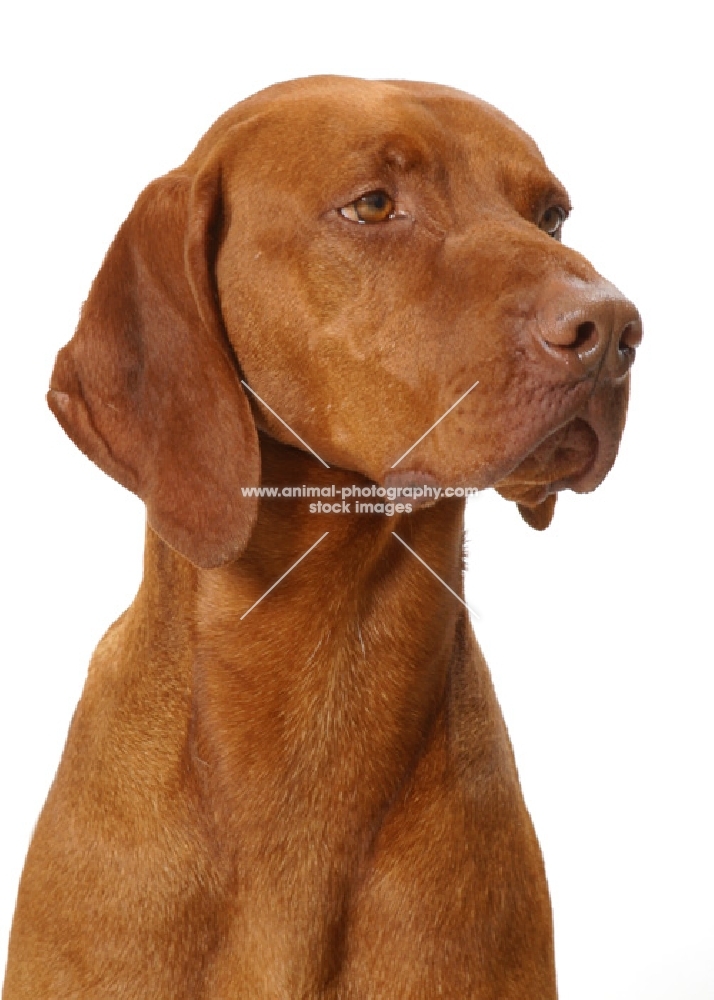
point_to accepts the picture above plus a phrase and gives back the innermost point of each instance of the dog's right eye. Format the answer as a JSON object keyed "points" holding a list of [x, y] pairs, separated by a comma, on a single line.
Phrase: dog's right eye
{"points": [[552, 221], [375, 206]]}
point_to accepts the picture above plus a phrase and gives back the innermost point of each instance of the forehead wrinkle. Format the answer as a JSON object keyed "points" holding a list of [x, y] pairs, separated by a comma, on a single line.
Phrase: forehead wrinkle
{"points": [[402, 136], [398, 154]]}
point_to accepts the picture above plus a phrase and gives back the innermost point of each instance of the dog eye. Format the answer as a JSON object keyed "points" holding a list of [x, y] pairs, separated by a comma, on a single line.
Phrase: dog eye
{"points": [[552, 221], [375, 206]]}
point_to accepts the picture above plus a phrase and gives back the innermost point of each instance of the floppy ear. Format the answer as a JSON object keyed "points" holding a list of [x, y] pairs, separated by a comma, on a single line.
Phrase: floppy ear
{"points": [[147, 387], [539, 515]]}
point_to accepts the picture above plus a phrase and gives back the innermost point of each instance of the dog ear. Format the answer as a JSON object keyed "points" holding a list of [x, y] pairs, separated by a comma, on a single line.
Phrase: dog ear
{"points": [[539, 515], [148, 388]]}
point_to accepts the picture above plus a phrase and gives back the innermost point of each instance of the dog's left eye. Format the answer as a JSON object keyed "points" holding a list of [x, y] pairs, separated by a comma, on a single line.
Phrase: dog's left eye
{"points": [[375, 206], [552, 221]]}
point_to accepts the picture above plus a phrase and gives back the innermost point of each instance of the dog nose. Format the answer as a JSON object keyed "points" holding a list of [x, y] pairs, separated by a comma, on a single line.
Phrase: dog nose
{"points": [[587, 326]]}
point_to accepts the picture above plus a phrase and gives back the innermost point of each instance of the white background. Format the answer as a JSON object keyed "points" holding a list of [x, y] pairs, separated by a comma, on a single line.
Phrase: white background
{"points": [[599, 630]]}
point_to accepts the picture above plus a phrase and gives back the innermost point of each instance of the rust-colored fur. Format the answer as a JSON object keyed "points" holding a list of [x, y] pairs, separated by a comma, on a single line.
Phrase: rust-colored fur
{"points": [[317, 799]]}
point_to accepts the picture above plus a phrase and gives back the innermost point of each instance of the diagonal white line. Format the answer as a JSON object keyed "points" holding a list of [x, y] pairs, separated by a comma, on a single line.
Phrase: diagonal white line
{"points": [[277, 417], [426, 566], [434, 424], [284, 575]]}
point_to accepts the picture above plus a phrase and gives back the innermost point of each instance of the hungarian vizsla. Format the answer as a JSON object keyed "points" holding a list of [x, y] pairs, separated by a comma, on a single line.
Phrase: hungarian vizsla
{"points": [[311, 793]]}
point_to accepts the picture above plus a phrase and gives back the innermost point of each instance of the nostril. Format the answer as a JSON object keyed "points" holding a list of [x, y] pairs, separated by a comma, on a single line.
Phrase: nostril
{"points": [[631, 336], [585, 333]]}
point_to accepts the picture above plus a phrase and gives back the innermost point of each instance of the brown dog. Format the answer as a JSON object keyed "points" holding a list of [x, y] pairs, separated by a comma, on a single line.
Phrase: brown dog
{"points": [[314, 796]]}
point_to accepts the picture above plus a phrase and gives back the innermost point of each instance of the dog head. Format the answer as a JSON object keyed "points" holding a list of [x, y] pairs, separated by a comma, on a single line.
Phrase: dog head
{"points": [[361, 254]]}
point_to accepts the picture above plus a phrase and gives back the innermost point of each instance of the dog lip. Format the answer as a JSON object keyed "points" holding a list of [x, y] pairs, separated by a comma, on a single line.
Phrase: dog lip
{"points": [[560, 461], [606, 422], [590, 478], [581, 481]]}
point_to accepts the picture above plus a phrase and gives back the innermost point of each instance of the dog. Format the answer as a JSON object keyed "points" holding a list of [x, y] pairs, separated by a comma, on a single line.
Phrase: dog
{"points": [[288, 774]]}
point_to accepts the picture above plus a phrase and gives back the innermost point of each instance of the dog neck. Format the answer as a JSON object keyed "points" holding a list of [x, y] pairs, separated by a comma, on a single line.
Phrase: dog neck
{"points": [[340, 669]]}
